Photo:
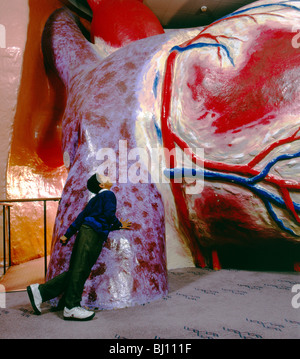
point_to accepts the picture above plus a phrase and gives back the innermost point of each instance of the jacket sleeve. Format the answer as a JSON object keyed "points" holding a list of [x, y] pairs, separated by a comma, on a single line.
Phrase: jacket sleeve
{"points": [[75, 226], [109, 210]]}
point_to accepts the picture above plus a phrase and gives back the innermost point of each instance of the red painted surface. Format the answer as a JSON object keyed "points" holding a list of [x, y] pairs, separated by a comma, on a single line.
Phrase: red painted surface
{"points": [[177, 190], [216, 261], [247, 98], [119, 22], [49, 128], [244, 98]]}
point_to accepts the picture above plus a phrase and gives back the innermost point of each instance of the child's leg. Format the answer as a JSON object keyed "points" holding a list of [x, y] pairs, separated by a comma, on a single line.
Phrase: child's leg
{"points": [[57, 285], [54, 287], [88, 248]]}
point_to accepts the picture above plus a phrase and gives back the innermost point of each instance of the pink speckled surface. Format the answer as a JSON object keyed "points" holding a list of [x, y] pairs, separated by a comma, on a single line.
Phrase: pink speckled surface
{"points": [[132, 266]]}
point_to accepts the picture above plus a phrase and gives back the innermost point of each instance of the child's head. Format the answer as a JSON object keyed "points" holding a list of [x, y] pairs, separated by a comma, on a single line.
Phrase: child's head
{"points": [[97, 182]]}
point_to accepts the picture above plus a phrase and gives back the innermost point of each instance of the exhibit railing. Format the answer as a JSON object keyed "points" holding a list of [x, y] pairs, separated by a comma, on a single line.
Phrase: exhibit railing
{"points": [[7, 205]]}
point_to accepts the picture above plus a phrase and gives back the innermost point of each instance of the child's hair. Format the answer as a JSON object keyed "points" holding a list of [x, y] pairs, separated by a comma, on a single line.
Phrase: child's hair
{"points": [[93, 184]]}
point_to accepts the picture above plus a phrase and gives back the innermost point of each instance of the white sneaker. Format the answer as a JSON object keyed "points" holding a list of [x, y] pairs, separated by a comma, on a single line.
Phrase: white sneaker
{"points": [[35, 298], [78, 313]]}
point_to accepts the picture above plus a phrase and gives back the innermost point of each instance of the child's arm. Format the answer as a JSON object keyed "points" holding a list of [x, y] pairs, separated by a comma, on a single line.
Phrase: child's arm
{"points": [[125, 224], [110, 207], [63, 240], [75, 226]]}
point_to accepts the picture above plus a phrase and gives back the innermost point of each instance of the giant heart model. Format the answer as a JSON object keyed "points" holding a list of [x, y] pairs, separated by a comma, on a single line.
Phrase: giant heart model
{"points": [[227, 95]]}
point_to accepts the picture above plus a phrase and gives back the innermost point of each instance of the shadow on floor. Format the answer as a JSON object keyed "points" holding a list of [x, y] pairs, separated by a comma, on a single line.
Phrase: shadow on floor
{"points": [[276, 257]]}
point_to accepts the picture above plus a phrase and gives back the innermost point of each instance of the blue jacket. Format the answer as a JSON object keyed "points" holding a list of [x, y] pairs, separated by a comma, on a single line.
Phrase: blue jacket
{"points": [[98, 214]]}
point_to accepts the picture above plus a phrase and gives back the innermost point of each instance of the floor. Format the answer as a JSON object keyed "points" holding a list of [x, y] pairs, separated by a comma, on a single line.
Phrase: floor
{"points": [[201, 304]]}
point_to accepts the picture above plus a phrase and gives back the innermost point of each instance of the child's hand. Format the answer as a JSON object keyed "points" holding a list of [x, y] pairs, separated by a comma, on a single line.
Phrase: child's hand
{"points": [[125, 224], [63, 240]]}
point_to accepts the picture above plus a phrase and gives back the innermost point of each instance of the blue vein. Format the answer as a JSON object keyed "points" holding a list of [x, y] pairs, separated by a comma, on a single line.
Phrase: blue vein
{"points": [[155, 84], [268, 167], [266, 196], [200, 45], [158, 132], [276, 219], [203, 44]]}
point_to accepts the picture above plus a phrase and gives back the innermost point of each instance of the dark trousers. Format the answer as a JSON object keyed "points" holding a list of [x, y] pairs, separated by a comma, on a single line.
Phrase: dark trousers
{"points": [[87, 248]]}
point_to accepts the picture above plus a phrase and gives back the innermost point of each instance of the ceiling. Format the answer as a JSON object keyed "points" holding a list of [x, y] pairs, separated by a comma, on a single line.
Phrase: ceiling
{"points": [[181, 13], [192, 13]]}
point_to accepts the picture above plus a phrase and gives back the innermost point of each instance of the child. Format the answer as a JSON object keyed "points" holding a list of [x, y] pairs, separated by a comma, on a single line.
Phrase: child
{"points": [[93, 226]]}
